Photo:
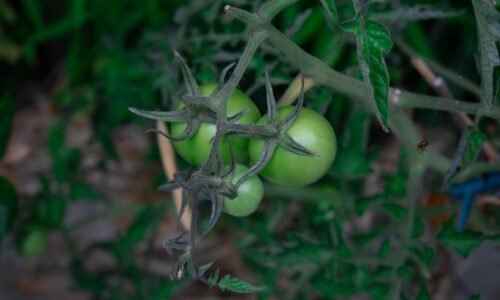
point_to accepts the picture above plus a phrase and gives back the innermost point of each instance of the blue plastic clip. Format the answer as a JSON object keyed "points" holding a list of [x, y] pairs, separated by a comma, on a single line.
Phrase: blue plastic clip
{"points": [[466, 192]]}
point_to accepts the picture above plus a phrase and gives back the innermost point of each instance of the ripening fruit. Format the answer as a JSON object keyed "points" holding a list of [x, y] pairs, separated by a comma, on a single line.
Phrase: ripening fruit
{"points": [[196, 149], [311, 130], [250, 193]]}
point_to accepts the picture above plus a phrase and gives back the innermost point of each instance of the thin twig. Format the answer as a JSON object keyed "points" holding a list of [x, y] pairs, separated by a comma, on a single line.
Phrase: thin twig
{"points": [[169, 166], [441, 88]]}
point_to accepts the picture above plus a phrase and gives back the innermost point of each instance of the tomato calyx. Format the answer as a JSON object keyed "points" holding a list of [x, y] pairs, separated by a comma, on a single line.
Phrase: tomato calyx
{"points": [[196, 108], [213, 183], [280, 136]]}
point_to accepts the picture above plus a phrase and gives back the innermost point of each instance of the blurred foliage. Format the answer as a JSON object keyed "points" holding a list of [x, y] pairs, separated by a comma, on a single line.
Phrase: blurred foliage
{"points": [[96, 58]]}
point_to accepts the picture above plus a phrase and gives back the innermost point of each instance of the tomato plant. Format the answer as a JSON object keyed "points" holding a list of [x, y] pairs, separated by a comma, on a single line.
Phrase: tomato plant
{"points": [[312, 131], [196, 149], [250, 194]]}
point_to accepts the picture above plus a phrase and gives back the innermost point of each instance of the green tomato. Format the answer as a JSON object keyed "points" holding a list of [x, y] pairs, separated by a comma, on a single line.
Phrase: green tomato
{"points": [[250, 193], [196, 149], [34, 241], [312, 131]]}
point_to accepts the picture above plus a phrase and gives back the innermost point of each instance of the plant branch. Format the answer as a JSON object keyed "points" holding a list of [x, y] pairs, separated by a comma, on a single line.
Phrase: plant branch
{"points": [[413, 100], [253, 44], [270, 9]]}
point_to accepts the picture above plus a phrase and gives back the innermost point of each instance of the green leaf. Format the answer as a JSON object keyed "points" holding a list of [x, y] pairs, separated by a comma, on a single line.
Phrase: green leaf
{"points": [[165, 290], [424, 255], [213, 279], [373, 42], [475, 139], [418, 229], [204, 268], [56, 140], [330, 290], [352, 165], [352, 161], [330, 9], [385, 249], [488, 28], [144, 221], [65, 159], [363, 239], [396, 210], [304, 254], [461, 242], [468, 148], [238, 285], [378, 291], [423, 293], [361, 277], [475, 297], [51, 211], [81, 190], [6, 116], [405, 272], [86, 280], [8, 206]]}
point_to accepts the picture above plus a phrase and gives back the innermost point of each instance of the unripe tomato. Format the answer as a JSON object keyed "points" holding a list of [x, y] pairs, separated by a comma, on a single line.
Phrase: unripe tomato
{"points": [[312, 131], [196, 149], [250, 193]]}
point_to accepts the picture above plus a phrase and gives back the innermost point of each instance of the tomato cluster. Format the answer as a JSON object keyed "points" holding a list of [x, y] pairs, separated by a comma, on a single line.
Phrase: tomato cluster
{"points": [[310, 129]]}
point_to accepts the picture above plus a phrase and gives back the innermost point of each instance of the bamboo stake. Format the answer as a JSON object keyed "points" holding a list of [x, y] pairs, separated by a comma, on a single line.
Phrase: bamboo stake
{"points": [[169, 166]]}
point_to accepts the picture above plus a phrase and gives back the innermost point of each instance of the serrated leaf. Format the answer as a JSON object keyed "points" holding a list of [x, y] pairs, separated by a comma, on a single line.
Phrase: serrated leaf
{"points": [[462, 242], [488, 28], [238, 285], [373, 42], [475, 140]]}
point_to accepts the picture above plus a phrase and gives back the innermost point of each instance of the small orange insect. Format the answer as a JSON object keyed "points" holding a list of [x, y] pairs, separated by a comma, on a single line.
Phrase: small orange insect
{"points": [[422, 145]]}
